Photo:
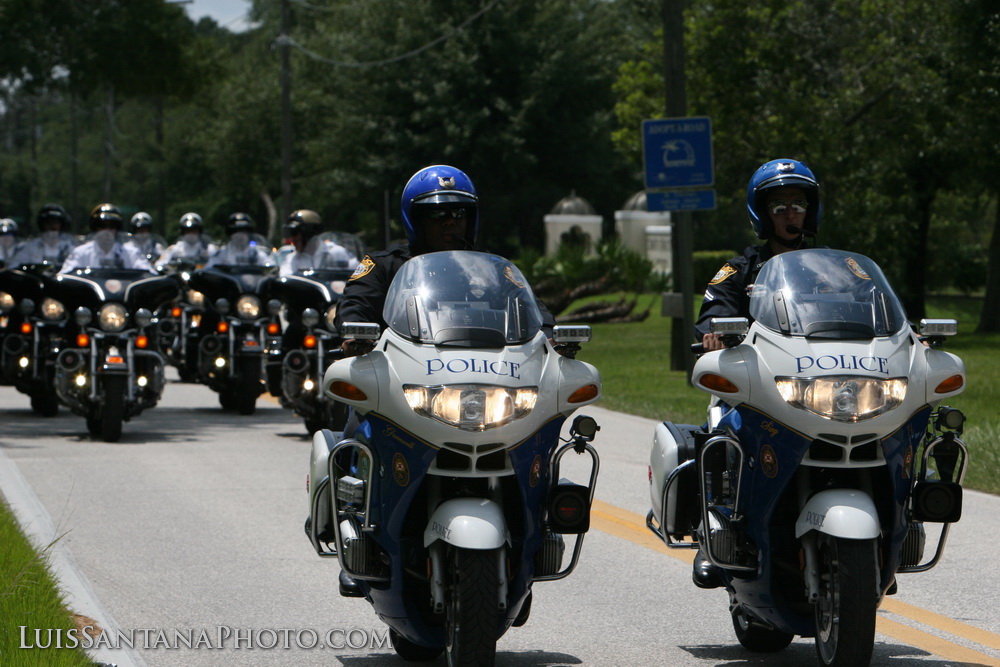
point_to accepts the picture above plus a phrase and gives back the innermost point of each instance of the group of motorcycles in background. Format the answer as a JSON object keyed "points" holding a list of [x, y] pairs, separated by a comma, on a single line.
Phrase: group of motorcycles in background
{"points": [[97, 340]]}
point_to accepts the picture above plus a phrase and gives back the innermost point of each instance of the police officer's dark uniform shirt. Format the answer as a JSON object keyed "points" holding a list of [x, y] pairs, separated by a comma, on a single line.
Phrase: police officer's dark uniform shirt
{"points": [[364, 295], [726, 294]]}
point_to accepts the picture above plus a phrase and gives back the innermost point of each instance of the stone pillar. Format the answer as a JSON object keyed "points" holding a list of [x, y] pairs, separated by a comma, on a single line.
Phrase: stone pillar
{"points": [[557, 224]]}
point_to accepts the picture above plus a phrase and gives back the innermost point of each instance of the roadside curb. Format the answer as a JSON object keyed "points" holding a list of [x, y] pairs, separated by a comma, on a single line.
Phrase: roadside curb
{"points": [[77, 592]]}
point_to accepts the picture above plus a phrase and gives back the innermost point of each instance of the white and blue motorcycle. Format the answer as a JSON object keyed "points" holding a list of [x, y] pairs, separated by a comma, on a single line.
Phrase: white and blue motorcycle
{"points": [[825, 454], [447, 504]]}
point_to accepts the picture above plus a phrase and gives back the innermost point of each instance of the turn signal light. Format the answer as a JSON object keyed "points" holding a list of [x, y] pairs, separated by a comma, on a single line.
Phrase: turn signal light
{"points": [[223, 327], [176, 312], [584, 393], [26, 327], [347, 390], [141, 342], [954, 383], [273, 329], [82, 340], [717, 383], [309, 341]]}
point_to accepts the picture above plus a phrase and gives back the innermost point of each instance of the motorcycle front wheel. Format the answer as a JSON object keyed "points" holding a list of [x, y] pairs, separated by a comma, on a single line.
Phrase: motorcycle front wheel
{"points": [[113, 410], [473, 612], [846, 610]]}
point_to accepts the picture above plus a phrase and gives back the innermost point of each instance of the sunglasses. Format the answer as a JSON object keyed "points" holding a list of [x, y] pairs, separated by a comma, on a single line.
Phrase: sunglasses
{"points": [[443, 213], [779, 206]]}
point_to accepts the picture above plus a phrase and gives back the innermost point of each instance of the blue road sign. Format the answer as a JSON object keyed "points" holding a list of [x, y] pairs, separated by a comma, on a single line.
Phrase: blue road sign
{"points": [[681, 200], [677, 152]]}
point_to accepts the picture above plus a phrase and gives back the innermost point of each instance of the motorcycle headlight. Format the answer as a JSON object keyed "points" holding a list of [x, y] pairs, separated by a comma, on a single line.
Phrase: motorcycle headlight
{"points": [[112, 317], [331, 315], [195, 298], [471, 407], [248, 307], [6, 302], [52, 310], [843, 398]]}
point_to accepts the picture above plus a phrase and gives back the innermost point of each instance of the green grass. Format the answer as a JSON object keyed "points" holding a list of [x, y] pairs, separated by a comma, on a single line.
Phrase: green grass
{"points": [[29, 597], [634, 361]]}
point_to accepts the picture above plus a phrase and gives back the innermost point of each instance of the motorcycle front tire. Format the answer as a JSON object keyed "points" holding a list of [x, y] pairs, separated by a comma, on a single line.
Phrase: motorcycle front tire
{"points": [[846, 610], [44, 403], [472, 611], [113, 410], [248, 388]]}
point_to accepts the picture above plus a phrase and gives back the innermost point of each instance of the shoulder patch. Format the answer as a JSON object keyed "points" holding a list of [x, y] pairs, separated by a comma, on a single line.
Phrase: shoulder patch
{"points": [[726, 271], [364, 268]]}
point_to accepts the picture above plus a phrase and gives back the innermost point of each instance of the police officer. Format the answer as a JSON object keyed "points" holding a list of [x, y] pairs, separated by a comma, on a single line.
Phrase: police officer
{"points": [[142, 237], [311, 250], [241, 249], [192, 247], [784, 207], [105, 248], [53, 243], [440, 211]]}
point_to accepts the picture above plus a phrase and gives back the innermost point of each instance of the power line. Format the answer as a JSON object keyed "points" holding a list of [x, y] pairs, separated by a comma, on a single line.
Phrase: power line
{"points": [[283, 40]]}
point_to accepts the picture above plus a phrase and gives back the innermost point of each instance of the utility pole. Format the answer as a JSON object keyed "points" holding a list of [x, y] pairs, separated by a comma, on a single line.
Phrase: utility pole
{"points": [[682, 250], [286, 115]]}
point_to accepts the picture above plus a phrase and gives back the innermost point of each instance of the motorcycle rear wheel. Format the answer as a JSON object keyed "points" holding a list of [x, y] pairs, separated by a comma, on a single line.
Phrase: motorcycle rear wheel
{"points": [[758, 638], [411, 652], [846, 610], [473, 615]]}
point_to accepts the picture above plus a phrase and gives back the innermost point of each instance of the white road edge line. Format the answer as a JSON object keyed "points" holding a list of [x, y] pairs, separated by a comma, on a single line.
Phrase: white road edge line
{"points": [[77, 592]]}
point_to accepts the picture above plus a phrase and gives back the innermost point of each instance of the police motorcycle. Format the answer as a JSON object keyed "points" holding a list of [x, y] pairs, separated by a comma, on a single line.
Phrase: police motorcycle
{"points": [[109, 371], [826, 453], [447, 504], [179, 324], [238, 328], [311, 343], [35, 326]]}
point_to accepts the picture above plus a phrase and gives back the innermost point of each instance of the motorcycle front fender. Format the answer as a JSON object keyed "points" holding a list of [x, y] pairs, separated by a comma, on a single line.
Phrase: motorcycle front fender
{"points": [[468, 523], [846, 513]]}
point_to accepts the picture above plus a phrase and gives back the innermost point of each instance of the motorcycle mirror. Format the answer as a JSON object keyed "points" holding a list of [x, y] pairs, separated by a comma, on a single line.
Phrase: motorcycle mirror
{"points": [[584, 428], [27, 306], [143, 317], [83, 316], [360, 331], [310, 317], [729, 326], [938, 327], [577, 333], [222, 306]]}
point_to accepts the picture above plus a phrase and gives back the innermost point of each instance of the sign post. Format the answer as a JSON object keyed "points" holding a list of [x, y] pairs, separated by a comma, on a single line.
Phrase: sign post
{"points": [[679, 165]]}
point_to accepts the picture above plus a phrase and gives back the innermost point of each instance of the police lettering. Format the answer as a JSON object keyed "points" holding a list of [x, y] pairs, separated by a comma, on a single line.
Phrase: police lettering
{"points": [[851, 362], [494, 367]]}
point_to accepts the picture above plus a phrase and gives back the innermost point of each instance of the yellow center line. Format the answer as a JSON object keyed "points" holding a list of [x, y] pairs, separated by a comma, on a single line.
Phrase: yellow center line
{"points": [[632, 527]]}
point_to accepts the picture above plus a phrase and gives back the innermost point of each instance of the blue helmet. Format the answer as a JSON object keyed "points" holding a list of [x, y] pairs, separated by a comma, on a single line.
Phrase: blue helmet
{"points": [[439, 186], [780, 173]]}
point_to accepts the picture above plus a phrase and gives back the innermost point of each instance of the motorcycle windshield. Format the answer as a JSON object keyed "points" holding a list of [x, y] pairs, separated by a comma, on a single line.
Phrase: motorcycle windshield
{"points": [[822, 293], [464, 299]]}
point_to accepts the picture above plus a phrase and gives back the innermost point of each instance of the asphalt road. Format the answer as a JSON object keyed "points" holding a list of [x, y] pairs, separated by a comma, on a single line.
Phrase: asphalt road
{"points": [[189, 532]]}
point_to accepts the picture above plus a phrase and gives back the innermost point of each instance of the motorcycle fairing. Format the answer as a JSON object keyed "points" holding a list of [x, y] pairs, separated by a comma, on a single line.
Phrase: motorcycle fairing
{"points": [[529, 484], [765, 497]]}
